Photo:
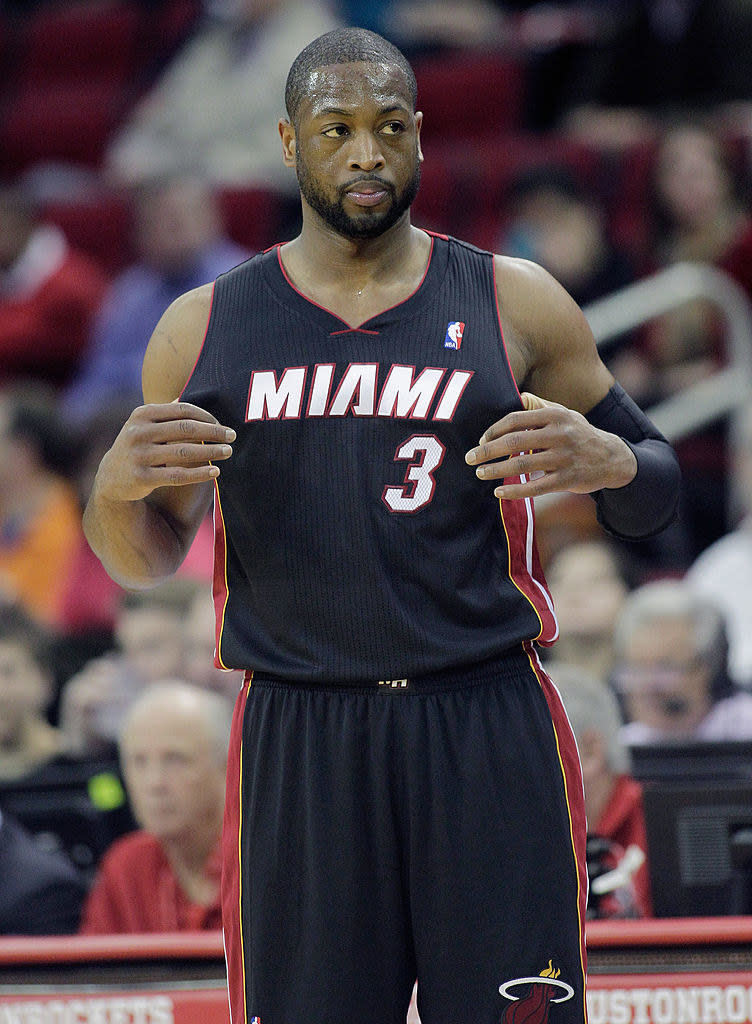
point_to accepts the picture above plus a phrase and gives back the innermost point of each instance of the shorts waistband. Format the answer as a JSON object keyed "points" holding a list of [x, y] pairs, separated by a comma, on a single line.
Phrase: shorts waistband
{"points": [[508, 664]]}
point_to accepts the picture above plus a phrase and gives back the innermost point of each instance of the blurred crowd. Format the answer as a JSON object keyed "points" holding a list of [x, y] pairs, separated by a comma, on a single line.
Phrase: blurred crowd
{"points": [[614, 142]]}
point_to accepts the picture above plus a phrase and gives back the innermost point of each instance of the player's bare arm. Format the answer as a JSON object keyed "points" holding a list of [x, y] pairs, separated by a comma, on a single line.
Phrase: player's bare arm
{"points": [[554, 358], [154, 485]]}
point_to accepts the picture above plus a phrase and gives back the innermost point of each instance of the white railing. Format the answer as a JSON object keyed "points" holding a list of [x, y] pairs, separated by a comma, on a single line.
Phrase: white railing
{"points": [[721, 393]]}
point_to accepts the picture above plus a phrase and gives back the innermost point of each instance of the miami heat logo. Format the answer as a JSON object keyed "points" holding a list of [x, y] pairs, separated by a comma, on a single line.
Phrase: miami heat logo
{"points": [[532, 997]]}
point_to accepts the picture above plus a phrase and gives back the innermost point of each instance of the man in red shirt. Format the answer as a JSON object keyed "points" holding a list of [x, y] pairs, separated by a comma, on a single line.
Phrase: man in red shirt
{"points": [[165, 877], [49, 293]]}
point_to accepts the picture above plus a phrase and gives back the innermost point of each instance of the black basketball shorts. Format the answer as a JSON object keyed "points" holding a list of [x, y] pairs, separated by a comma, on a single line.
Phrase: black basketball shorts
{"points": [[428, 828]]}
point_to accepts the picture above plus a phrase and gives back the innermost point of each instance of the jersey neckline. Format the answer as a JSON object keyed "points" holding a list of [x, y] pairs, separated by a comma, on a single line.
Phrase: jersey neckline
{"points": [[277, 279]]}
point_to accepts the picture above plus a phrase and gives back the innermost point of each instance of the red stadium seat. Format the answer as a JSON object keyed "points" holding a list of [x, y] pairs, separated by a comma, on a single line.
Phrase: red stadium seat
{"points": [[463, 95], [100, 227], [67, 120], [252, 216], [80, 41], [76, 68]]}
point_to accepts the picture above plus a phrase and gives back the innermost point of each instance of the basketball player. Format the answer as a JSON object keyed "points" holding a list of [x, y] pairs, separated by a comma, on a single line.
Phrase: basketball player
{"points": [[404, 797]]}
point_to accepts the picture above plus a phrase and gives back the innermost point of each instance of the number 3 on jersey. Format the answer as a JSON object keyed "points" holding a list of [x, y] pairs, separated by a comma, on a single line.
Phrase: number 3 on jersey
{"points": [[425, 453]]}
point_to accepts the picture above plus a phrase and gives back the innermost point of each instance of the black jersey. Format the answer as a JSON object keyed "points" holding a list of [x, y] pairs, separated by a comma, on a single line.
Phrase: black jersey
{"points": [[353, 542]]}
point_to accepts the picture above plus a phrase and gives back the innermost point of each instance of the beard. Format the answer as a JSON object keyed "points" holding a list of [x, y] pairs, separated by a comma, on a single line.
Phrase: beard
{"points": [[370, 223]]}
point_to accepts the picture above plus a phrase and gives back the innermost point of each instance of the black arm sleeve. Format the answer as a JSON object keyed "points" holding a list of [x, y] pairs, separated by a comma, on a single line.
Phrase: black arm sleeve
{"points": [[647, 504]]}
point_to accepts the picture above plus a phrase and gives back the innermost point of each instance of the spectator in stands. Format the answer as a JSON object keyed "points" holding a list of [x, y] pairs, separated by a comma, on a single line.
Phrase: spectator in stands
{"points": [[552, 221], [40, 519], [197, 118], [150, 645], [180, 244], [671, 668], [165, 877], [588, 585], [42, 892], [723, 572], [48, 294], [27, 740], [200, 636], [699, 211], [613, 799], [698, 215]]}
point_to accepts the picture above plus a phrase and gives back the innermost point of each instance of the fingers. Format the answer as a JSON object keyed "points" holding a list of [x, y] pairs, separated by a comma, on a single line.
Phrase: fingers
{"points": [[504, 439], [178, 421], [535, 450], [175, 411], [534, 486], [191, 454], [511, 433], [521, 464], [164, 445], [177, 476], [178, 435], [530, 401]]}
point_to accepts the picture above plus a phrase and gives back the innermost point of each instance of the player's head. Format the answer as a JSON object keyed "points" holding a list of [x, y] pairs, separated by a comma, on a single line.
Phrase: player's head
{"points": [[344, 46], [350, 100], [173, 746], [671, 652]]}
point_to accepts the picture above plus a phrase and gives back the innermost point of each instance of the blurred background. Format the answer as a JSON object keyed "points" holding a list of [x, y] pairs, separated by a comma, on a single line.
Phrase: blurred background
{"points": [[139, 157]]}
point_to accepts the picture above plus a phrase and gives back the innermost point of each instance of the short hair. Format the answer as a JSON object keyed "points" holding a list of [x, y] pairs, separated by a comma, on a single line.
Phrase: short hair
{"points": [[656, 602], [213, 713], [343, 46], [590, 703]]}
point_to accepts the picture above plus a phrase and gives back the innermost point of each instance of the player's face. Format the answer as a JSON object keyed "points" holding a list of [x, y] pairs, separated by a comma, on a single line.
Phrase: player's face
{"points": [[357, 148]]}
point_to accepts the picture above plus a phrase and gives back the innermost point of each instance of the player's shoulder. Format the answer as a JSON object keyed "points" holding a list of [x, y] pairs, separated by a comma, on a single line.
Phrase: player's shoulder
{"points": [[529, 288], [176, 343], [522, 274], [195, 302], [542, 322]]}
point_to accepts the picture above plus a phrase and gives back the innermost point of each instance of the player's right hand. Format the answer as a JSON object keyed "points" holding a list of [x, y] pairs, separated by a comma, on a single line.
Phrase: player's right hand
{"points": [[174, 444]]}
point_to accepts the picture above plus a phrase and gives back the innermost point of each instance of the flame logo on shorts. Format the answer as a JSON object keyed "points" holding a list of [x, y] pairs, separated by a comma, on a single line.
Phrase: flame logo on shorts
{"points": [[531, 1004]]}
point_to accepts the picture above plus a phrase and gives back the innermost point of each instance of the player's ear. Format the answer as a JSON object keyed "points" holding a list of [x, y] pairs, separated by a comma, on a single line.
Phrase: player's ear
{"points": [[287, 134], [418, 125]]}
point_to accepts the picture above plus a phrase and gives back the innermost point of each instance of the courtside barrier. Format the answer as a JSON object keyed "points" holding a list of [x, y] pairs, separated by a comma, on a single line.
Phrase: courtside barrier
{"points": [[663, 971]]}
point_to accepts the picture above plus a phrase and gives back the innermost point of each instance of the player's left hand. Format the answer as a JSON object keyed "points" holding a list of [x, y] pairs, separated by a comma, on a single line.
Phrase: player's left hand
{"points": [[552, 448]]}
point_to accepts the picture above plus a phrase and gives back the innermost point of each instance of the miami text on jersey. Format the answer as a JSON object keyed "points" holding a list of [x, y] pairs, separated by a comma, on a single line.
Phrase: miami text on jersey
{"points": [[299, 391]]}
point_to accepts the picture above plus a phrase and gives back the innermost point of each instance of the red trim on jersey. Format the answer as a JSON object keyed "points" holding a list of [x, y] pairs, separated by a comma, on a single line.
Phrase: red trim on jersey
{"points": [[203, 341], [232, 866], [525, 571], [518, 517], [220, 587], [351, 330], [571, 771], [354, 327]]}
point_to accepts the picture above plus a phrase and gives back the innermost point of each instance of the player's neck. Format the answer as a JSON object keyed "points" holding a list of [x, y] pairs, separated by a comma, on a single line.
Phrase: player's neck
{"points": [[358, 280], [323, 255]]}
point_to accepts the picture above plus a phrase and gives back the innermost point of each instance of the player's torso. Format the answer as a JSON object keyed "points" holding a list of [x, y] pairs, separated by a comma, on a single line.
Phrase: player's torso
{"points": [[351, 531]]}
